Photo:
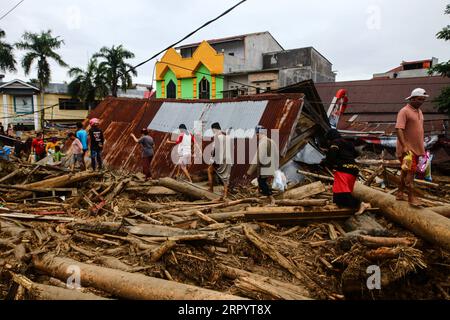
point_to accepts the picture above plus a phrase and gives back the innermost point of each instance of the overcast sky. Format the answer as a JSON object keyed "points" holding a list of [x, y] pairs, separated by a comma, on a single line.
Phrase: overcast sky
{"points": [[360, 37]]}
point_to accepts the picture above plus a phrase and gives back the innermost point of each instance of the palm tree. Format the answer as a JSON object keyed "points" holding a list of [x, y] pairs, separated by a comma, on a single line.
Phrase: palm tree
{"points": [[40, 48], [7, 61], [89, 84], [116, 67]]}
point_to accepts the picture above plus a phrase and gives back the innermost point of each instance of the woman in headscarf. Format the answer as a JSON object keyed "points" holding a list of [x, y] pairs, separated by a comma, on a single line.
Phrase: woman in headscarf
{"points": [[341, 157]]}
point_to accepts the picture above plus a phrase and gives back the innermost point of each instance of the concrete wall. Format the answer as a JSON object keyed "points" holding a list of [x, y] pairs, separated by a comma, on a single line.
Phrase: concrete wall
{"points": [[255, 46], [288, 59], [263, 80], [229, 85], [294, 75], [299, 64]]}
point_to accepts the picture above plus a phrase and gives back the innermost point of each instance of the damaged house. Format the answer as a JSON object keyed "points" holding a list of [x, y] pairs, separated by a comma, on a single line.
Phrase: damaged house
{"points": [[296, 119]]}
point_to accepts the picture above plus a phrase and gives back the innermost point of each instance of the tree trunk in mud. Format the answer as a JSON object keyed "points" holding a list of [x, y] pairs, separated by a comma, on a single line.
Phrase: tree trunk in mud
{"points": [[422, 221], [127, 285]]}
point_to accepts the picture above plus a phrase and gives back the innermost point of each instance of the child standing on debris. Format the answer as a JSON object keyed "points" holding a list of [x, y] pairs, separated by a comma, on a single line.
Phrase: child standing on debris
{"points": [[77, 150], [147, 144], [57, 156], [341, 157], [96, 141]]}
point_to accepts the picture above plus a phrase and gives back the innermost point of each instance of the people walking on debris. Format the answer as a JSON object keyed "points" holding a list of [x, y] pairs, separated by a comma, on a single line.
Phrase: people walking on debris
{"points": [[148, 145], [184, 144], [410, 142], [220, 163], [82, 135], [38, 147], [96, 142], [265, 161], [77, 151], [341, 157]]}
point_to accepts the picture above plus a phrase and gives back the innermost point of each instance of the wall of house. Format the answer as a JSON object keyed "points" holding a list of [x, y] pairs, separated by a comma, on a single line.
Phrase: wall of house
{"points": [[255, 46], [322, 69], [294, 75], [58, 114], [288, 59], [240, 79], [263, 80]]}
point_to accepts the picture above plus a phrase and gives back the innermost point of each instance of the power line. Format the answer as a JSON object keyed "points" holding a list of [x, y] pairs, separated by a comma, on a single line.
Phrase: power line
{"points": [[3, 16], [188, 35]]}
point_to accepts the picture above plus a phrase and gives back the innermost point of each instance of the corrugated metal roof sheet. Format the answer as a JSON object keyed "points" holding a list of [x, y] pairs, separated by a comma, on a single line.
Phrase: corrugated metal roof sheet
{"points": [[376, 103], [120, 117]]}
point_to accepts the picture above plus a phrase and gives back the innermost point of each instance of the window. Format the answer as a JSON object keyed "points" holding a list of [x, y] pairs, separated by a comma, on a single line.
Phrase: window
{"points": [[23, 104], [258, 90], [268, 89], [171, 90], [203, 89], [72, 104], [231, 54]]}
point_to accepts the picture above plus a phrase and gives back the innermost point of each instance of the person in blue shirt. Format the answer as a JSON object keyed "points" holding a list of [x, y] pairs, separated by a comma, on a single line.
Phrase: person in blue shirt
{"points": [[82, 135]]}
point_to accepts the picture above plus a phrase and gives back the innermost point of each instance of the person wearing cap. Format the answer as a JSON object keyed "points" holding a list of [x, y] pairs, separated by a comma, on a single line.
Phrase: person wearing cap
{"points": [[82, 135], [148, 145], [220, 162], [265, 161], [410, 140], [341, 157], [96, 142]]}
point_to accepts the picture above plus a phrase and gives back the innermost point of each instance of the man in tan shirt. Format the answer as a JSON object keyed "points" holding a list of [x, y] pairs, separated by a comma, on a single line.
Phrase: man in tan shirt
{"points": [[410, 138]]}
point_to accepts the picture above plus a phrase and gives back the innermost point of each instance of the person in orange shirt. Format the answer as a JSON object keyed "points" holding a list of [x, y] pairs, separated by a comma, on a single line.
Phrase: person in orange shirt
{"points": [[410, 140]]}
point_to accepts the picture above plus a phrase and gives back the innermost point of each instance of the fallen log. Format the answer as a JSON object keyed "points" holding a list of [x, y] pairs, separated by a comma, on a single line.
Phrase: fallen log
{"points": [[127, 285], [63, 180], [161, 250], [422, 221], [442, 210], [188, 189], [385, 241], [45, 292], [302, 203], [304, 191]]}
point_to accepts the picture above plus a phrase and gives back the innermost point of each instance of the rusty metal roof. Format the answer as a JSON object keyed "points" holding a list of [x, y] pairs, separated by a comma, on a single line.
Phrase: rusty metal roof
{"points": [[119, 117], [374, 104]]}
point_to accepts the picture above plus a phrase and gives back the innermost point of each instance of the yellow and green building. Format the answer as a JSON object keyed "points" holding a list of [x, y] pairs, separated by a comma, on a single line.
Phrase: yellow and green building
{"points": [[195, 77]]}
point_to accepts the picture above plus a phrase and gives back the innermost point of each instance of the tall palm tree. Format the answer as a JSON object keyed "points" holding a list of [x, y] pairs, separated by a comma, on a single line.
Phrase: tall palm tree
{"points": [[40, 48], [89, 84], [7, 61], [116, 67]]}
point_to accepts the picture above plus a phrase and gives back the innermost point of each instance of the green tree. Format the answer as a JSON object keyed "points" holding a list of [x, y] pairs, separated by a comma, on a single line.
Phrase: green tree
{"points": [[40, 47], [443, 100], [7, 61], [90, 84], [116, 67]]}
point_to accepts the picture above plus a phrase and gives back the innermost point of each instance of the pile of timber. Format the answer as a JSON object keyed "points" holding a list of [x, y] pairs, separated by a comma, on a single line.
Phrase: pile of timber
{"points": [[170, 239]]}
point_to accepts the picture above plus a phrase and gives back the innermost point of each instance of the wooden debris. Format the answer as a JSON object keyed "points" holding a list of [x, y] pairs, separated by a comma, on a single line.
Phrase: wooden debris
{"points": [[127, 285]]}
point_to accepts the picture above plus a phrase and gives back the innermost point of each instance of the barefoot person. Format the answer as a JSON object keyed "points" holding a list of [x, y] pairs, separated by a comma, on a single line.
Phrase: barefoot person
{"points": [[341, 157], [410, 139], [220, 163], [184, 144], [148, 145]]}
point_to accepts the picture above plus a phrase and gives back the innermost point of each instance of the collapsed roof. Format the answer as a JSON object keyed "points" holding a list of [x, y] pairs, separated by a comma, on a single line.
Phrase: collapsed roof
{"points": [[120, 117]]}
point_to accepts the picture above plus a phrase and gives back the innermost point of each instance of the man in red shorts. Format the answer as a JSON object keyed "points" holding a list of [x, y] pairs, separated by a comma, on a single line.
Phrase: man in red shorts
{"points": [[410, 138]]}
